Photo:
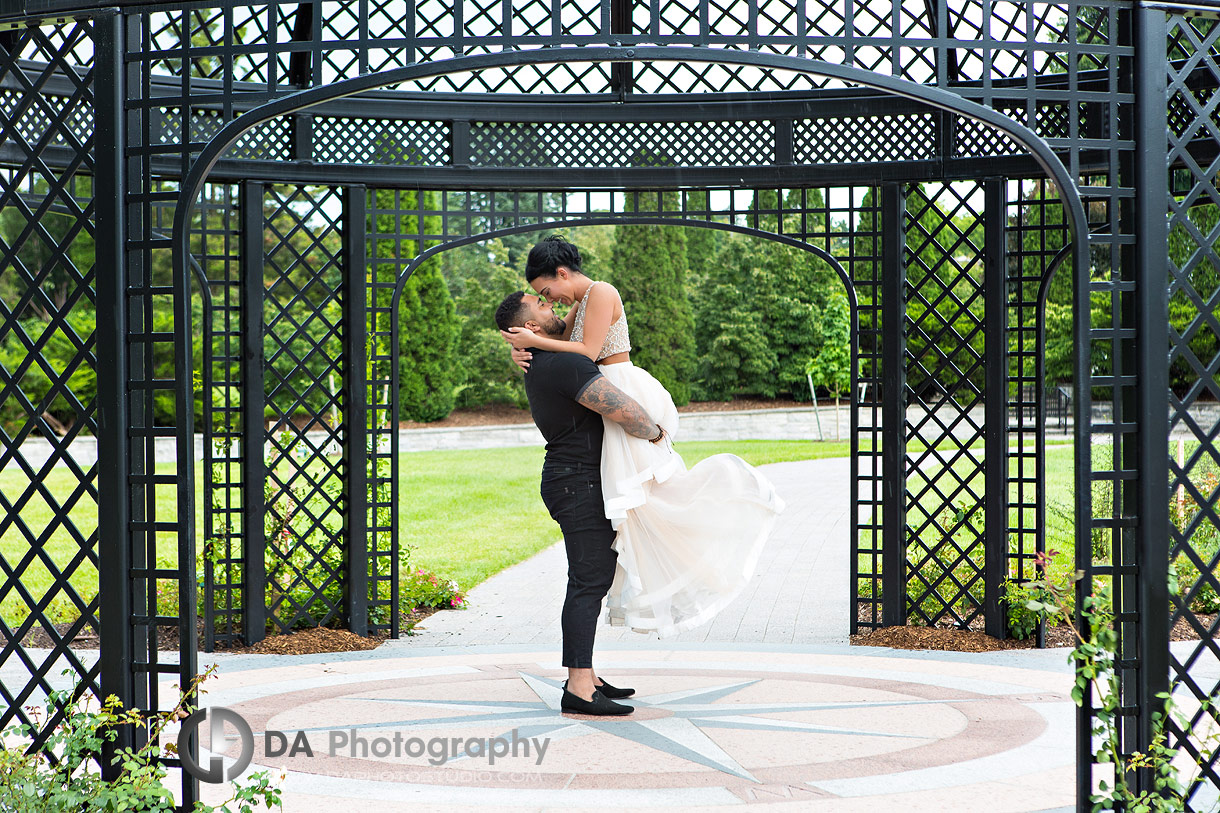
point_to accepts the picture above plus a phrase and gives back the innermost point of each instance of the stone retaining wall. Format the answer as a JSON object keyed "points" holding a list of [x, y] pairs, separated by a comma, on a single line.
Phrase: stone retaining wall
{"points": [[799, 423]]}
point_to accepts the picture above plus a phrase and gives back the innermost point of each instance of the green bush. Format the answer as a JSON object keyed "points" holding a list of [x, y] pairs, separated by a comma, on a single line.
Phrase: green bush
{"points": [[1022, 620], [954, 528], [61, 772], [422, 589]]}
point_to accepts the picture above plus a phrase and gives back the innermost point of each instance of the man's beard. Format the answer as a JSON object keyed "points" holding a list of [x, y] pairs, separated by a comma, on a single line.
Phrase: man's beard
{"points": [[555, 328]]}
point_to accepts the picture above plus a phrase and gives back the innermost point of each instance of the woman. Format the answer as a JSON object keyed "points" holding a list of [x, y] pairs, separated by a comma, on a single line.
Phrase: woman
{"points": [[687, 540]]}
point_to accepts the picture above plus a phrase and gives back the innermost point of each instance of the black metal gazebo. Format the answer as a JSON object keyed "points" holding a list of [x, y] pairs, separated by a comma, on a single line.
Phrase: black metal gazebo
{"points": [[201, 146]]}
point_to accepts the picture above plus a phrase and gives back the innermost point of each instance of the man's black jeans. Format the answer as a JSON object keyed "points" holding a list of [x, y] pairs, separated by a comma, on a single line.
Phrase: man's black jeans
{"points": [[573, 495]]}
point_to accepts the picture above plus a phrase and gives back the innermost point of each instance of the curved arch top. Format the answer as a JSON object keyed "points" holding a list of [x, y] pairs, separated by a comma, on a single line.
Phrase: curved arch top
{"points": [[933, 96], [573, 223]]}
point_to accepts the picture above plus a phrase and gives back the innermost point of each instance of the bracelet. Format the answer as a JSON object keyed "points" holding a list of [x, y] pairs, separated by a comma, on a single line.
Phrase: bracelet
{"points": [[659, 436]]}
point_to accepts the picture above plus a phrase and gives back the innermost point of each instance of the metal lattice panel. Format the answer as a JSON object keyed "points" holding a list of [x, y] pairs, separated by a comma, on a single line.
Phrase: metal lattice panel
{"points": [[945, 518], [720, 143], [365, 36], [864, 261], [369, 141], [975, 139], [1036, 241], [62, 120], [223, 323], [875, 138], [1194, 463], [305, 502], [50, 495]]}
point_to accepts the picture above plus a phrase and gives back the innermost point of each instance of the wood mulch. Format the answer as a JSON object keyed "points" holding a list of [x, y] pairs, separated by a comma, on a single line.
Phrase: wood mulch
{"points": [[955, 640], [323, 639], [298, 642]]}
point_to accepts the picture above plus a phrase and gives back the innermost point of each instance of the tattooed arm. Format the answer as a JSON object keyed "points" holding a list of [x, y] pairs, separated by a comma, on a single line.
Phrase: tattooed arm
{"points": [[613, 404]]}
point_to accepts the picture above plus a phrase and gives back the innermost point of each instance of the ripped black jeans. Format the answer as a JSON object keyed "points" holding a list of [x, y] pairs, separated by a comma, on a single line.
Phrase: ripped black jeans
{"points": [[573, 496]]}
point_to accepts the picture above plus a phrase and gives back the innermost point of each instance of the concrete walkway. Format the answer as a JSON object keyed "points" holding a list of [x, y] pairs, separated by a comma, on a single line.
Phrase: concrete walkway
{"points": [[766, 707], [799, 595]]}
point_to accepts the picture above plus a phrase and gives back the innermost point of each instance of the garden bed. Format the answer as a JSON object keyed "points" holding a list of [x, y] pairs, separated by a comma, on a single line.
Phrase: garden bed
{"points": [[298, 642], [955, 640]]}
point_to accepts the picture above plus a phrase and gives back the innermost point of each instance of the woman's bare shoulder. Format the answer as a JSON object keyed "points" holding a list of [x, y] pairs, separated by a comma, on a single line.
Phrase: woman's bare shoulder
{"points": [[605, 292]]}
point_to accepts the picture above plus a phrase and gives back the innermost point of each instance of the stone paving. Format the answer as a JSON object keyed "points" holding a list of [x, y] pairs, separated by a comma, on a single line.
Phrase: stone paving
{"points": [[765, 707], [799, 595]]}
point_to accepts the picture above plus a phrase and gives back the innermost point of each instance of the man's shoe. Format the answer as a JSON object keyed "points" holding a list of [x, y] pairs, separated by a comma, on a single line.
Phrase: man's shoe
{"points": [[599, 705], [609, 691], [612, 692]]}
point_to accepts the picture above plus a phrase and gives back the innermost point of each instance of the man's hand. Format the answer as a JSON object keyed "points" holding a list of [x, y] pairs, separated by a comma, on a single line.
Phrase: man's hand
{"points": [[612, 403], [522, 358]]}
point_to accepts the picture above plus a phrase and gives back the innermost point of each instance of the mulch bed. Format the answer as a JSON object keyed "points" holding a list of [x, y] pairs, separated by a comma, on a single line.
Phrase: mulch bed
{"points": [[955, 640], [299, 642], [323, 639], [952, 640], [38, 638]]}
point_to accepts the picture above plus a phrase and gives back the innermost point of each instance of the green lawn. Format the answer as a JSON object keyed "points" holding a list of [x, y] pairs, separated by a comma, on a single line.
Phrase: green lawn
{"points": [[470, 514], [463, 514]]}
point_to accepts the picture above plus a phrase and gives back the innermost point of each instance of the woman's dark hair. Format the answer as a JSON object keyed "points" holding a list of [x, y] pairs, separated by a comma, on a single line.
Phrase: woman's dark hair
{"points": [[509, 313], [546, 257]]}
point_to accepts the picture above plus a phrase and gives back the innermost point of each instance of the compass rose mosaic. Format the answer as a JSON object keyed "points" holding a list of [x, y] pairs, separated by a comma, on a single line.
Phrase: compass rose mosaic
{"points": [[704, 732]]}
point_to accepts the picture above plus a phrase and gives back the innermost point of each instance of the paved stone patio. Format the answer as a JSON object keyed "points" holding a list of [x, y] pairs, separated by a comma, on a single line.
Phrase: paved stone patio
{"points": [[767, 706]]}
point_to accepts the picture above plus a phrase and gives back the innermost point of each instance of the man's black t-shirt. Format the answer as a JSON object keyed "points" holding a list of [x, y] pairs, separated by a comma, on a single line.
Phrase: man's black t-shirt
{"points": [[553, 383]]}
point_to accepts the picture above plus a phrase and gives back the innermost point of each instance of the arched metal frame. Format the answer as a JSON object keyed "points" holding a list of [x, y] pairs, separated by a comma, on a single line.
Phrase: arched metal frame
{"points": [[1127, 113], [895, 607], [571, 223], [935, 97]]}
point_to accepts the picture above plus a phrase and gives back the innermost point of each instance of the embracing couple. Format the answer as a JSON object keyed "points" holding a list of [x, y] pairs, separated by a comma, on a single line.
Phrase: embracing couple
{"points": [[668, 547]]}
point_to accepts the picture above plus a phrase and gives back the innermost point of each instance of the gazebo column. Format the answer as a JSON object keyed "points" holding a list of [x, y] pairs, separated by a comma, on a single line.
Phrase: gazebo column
{"points": [[995, 415], [893, 406]]}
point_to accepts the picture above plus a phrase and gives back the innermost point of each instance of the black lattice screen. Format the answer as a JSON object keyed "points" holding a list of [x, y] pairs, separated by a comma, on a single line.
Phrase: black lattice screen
{"points": [[286, 316], [864, 261], [1037, 256], [1072, 73], [304, 502], [218, 266], [945, 396], [1194, 363], [48, 363]]}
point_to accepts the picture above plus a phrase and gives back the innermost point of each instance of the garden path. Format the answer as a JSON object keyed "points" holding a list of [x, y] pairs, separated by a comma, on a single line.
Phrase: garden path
{"points": [[798, 596]]}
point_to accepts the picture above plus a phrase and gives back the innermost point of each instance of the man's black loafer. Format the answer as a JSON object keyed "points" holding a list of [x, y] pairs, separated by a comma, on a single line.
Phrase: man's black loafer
{"points": [[612, 692], [600, 704], [609, 691]]}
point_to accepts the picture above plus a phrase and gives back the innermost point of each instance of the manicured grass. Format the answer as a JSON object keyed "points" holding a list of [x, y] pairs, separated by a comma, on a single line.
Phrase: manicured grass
{"points": [[464, 514], [761, 452], [469, 514]]}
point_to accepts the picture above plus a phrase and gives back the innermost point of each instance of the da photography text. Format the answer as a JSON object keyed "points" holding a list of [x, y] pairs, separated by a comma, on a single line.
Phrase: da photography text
{"points": [[439, 750], [226, 726]]}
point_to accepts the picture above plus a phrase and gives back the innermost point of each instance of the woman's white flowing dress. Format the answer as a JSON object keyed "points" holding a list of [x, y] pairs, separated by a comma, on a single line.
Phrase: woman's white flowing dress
{"points": [[688, 540]]}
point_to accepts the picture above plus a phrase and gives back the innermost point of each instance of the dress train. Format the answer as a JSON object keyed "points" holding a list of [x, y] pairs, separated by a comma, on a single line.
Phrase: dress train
{"points": [[688, 540]]}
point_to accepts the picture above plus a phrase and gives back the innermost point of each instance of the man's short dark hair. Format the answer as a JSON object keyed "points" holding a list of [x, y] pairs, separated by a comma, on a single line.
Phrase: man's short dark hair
{"points": [[546, 257], [511, 312]]}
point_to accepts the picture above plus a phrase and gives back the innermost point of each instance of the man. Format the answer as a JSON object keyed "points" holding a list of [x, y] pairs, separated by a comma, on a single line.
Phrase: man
{"points": [[568, 398]]}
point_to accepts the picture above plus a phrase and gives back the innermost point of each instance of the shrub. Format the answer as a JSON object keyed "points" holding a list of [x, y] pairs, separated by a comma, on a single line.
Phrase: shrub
{"points": [[422, 589], [61, 773]]}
